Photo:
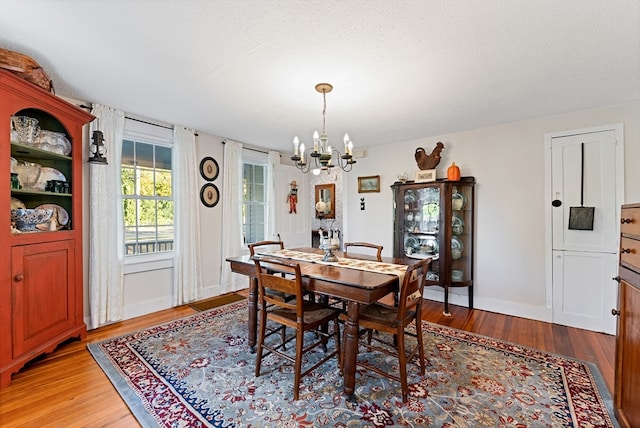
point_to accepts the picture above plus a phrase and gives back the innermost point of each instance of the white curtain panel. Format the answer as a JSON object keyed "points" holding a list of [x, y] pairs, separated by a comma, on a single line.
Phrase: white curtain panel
{"points": [[106, 233], [273, 159], [231, 215], [187, 280]]}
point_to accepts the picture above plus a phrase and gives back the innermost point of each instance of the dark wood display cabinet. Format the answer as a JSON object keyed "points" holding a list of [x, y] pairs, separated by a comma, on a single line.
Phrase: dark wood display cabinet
{"points": [[436, 219], [41, 279], [627, 372]]}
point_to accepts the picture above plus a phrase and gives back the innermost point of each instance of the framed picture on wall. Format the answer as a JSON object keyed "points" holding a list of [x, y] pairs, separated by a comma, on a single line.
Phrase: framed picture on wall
{"points": [[209, 169], [369, 184], [209, 195]]}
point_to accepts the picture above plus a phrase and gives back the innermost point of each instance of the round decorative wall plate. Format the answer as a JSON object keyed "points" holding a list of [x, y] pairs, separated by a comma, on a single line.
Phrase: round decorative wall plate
{"points": [[209, 169], [209, 195]]}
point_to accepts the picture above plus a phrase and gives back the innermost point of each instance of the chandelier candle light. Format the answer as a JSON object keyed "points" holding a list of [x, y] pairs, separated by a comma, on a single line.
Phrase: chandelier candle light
{"points": [[322, 152]]}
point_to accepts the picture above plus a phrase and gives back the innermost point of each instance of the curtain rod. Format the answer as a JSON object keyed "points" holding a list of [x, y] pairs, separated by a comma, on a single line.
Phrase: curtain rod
{"points": [[139, 120], [251, 148], [154, 124]]}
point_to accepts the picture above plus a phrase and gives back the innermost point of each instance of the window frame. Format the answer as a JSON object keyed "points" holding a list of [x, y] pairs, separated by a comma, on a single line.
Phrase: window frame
{"points": [[160, 136], [252, 157]]}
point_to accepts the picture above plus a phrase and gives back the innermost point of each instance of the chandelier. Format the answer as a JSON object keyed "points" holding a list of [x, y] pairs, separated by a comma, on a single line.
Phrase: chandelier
{"points": [[322, 153]]}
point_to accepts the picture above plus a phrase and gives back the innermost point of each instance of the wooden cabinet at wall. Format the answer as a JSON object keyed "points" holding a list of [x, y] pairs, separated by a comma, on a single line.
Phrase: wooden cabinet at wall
{"points": [[627, 372], [41, 279], [436, 219]]}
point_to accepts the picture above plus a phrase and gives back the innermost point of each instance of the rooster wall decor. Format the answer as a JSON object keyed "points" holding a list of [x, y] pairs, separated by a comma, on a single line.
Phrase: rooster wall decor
{"points": [[426, 161]]}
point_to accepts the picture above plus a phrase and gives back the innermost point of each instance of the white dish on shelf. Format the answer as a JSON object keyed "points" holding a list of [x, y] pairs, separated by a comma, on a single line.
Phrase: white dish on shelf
{"points": [[457, 225], [17, 203], [458, 201], [421, 256], [411, 241], [456, 248], [51, 141], [59, 219], [46, 174]]}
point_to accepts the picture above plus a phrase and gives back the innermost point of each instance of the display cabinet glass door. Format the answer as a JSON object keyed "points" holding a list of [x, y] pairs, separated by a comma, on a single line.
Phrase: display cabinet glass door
{"points": [[435, 220]]}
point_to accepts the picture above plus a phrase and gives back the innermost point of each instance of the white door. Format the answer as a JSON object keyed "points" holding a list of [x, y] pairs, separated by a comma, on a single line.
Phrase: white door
{"points": [[293, 227], [585, 261]]}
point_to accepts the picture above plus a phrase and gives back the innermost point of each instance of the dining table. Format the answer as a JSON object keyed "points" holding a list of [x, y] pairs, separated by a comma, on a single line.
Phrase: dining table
{"points": [[356, 287]]}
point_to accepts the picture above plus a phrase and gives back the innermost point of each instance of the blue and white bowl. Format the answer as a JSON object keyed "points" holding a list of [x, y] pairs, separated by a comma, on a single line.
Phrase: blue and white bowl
{"points": [[26, 219]]}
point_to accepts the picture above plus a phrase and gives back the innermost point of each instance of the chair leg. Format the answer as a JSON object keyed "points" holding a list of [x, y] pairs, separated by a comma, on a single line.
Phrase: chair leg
{"points": [[283, 336], [298, 368], [261, 334], [402, 359], [423, 363], [336, 326]]}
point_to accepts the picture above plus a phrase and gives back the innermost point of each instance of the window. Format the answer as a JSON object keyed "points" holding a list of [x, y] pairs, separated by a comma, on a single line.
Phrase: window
{"points": [[254, 202], [147, 197]]}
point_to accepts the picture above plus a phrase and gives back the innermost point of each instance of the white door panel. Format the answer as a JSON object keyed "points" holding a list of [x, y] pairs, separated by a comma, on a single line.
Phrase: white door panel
{"points": [[584, 292], [599, 191], [583, 262]]}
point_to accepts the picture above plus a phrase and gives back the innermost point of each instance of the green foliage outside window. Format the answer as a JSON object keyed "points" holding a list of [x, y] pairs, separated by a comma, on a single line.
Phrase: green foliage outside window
{"points": [[147, 197]]}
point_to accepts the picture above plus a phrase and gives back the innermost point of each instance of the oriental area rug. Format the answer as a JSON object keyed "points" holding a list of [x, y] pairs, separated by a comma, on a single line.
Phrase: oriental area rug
{"points": [[199, 372]]}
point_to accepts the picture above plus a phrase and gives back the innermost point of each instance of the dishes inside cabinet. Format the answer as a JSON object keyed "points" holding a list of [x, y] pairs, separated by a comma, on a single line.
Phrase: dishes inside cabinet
{"points": [[27, 129], [433, 276], [14, 162], [52, 141], [28, 174], [59, 219], [422, 256], [429, 245], [456, 248], [17, 203], [411, 242], [458, 200], [46, 174], [457, 225], [409, 200]]}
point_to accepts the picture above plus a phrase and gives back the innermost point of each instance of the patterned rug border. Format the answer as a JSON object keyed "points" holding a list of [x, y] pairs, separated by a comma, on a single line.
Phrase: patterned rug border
{"points": [[121, 383], [124, 388]]}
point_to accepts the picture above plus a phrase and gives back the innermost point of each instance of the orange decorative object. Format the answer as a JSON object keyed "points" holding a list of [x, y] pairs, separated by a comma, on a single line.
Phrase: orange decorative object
{"points": [[453, 172]]}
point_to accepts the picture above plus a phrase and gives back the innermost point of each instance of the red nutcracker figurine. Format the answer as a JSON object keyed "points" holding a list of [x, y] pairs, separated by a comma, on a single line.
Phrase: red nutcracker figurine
{"points": [[292, 197]]}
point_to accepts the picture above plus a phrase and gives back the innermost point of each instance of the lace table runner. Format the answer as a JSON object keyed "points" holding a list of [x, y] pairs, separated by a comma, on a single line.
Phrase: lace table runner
{"points": [[367, 265]]}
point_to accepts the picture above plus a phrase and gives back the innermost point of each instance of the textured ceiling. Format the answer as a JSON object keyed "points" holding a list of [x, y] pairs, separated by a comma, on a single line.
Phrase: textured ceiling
{"points": [[401, 70]]}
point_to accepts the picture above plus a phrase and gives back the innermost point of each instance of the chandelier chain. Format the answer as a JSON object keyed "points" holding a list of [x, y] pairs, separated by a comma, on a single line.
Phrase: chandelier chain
{"points": [[324, 111]]}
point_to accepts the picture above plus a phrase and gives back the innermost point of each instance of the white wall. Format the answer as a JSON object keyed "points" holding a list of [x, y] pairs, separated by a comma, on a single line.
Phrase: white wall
{"points": [[508, 164], [211, 218]]}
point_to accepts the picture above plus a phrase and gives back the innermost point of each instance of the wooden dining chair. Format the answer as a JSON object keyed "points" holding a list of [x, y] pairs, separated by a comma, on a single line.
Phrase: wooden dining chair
{"points": [[265, 245], [301, 315], [394, 320], [272, 246], [361, 245], [364, 245]]}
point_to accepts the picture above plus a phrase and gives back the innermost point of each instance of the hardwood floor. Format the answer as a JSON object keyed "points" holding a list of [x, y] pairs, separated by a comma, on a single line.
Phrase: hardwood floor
{"points": [[68, 389]]}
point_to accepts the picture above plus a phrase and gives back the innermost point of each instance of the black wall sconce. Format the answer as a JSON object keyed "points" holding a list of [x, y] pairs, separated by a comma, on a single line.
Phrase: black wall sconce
{"points": [[97, 149]]}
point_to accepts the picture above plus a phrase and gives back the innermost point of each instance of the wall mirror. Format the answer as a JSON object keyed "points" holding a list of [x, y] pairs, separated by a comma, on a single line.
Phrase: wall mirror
{"points": [[325, 200]]}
